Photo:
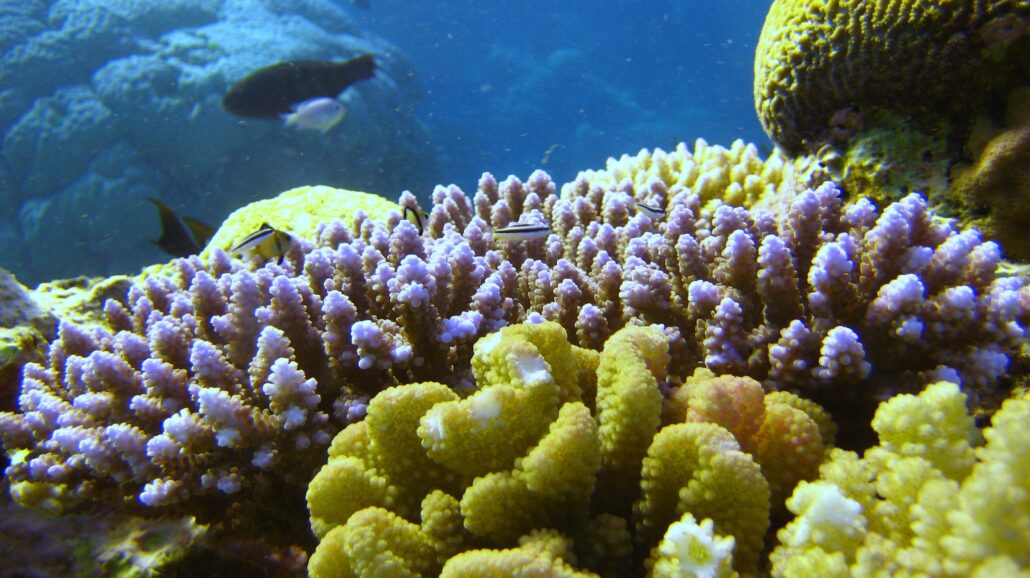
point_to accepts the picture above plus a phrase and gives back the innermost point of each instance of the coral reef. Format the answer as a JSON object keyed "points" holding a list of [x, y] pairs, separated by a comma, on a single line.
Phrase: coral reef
{"points": [[928, 501], [105, 104], [521, 471], [212, 383], [815, 61], [210, 387], [885, 94]]}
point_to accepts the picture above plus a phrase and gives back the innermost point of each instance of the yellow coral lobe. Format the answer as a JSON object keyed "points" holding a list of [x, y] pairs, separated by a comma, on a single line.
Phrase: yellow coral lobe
{"points": [[329, 559], [629, 403], [735, 403], [342, 487], [380, 544], [442, 525], [566, 460], [352, 441], [789, 448], [699, 468], [550, 340], [517, 400], [550, 487], [542, 554], [393, 419]]}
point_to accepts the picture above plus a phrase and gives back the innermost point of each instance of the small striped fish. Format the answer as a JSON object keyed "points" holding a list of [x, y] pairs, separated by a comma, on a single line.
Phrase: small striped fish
{"points": [[416, 217], [653, 211], [266, 243], [521, 232]]}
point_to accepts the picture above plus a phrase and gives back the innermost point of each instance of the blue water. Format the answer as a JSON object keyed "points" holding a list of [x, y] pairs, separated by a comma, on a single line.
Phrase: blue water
{"points": [[506, 81], [103, 105]]}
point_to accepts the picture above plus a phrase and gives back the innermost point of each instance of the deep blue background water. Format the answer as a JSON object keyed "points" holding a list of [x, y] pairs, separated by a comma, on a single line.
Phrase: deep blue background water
{"points": [[505, 81], [103, 106]]}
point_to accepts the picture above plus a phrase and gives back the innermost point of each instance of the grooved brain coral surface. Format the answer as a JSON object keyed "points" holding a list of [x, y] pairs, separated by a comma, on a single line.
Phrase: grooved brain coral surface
{"points": [[817, 57]]}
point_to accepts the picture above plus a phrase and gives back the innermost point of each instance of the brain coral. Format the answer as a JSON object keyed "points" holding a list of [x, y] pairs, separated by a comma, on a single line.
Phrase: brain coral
{"points": [[816, 59]]}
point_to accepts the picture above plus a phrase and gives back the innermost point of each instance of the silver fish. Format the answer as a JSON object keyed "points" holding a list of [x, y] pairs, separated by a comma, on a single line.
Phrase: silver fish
{"points": [[320, 114], [653, 211], [521, 232]]}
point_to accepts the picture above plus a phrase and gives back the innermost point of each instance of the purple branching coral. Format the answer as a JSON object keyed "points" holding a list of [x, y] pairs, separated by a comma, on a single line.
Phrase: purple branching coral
{"points": [[226, 381]]}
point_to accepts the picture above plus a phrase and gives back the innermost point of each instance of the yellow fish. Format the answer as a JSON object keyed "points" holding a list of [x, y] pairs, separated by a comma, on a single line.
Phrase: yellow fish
{"points": [[265, 243], [416, 217]]}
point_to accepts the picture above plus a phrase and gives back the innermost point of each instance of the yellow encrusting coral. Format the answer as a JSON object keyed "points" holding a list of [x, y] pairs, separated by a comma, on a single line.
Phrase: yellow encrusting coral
{"points": [[925, 502], [520, 477]]}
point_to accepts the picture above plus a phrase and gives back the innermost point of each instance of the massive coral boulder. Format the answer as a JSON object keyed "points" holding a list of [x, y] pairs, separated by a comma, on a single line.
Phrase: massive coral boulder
{"points": [[817, 59], [106, 103]]}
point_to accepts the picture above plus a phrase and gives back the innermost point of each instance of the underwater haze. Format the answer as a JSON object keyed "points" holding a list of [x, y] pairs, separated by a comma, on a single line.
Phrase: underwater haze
{"points": [[105, 104], [513, 86]]}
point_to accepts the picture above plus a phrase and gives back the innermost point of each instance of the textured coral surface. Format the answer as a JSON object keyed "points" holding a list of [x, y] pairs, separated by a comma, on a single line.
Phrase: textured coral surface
{"points": [[212, 387], [476, 483], [816, 59], [930, 500]]}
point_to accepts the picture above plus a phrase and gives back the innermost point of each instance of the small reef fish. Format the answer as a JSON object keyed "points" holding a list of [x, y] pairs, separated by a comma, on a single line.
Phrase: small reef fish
{"points": [[266, 243], [521, 232], [180, 236], [276, 91], [653, 211], [416, 217], [320, 114]]}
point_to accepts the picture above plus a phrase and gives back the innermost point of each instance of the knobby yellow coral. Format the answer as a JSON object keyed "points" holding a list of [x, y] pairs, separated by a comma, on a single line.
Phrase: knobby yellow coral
{"points": [[521, 478], [925, 502]]}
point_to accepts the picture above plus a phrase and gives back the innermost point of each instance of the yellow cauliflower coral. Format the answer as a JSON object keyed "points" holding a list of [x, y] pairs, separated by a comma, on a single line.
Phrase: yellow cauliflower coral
{"points": [[517, 399], [520, 461], [919, 503], [539, 555], [816, 58], [629, 403], [699, 468], [782, 432], [736, 175], [550, 487]]}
